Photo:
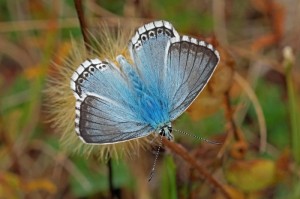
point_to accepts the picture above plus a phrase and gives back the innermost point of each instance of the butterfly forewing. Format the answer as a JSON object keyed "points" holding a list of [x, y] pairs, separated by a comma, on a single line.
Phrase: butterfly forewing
{"points": [[147, 49], [189, 64]]}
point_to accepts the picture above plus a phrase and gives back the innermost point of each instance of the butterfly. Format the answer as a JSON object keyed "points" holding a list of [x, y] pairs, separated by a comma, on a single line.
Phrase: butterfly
{"points": [[143, 95]]}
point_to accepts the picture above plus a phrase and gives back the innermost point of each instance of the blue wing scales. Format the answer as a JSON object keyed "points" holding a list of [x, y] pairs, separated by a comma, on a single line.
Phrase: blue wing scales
{"points": [[147, 49], [105, 106], [174, 68], [189, 64]]}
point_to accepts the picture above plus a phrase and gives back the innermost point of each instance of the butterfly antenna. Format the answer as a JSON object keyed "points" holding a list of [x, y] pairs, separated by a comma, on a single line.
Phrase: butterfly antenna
{"points": [[197, 137], [154, 163]]}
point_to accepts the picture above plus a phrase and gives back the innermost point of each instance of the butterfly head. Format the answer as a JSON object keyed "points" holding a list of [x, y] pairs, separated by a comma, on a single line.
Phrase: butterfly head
{"points": [[166, 130]]}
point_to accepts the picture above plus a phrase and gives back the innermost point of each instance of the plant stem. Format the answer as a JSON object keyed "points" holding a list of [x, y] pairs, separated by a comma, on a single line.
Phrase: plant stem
{"points": [[83, 24], [184, 154], [293, 108]]}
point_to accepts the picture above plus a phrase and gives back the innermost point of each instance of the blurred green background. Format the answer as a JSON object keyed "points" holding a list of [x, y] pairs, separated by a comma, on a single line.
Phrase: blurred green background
{"points": [[251, 105]]}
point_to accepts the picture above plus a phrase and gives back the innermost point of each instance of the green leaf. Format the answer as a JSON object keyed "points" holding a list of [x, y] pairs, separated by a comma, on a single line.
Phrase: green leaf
{"points": [[275, 112], [89, 181], [169, 189], [121, 175], [203, 128]]}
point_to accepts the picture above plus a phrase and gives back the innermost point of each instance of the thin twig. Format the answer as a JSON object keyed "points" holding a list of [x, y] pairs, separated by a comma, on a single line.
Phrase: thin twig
{"points": [[219, 15], [240, 147], [258, 109], [184, 154], [229, 117], [83, 24]]}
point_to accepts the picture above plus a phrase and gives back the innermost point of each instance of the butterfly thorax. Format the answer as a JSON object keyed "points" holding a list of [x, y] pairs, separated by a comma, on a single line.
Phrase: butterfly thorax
{"points": [[166, 131]]}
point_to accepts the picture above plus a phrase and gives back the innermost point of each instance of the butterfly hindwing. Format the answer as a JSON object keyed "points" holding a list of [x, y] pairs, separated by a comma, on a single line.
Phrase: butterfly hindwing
{"points": [[105, 105], [100, 122], [189, 65]]}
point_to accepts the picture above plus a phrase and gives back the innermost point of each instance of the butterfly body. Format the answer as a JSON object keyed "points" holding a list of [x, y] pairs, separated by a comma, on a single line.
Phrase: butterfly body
{"points": [[129, 101], [148, 102]]}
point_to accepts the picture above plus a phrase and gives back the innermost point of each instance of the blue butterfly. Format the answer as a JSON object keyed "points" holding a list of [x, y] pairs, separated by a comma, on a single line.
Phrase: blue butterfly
{"points": [[167, 72]]}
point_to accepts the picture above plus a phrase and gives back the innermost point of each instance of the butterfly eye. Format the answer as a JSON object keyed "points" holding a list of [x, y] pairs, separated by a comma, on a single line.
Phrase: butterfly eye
{"points": [[91, 69], [151, 34], [162, 132], [170, 129], [144, 37], [159, 31]]}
